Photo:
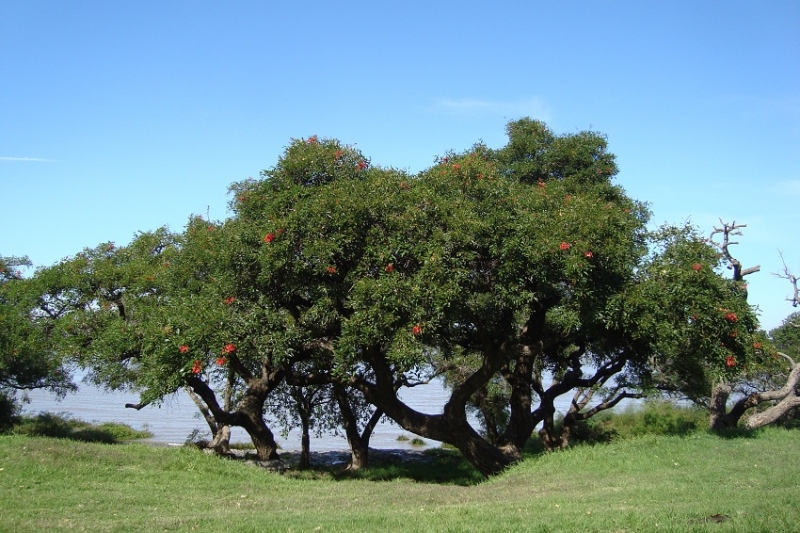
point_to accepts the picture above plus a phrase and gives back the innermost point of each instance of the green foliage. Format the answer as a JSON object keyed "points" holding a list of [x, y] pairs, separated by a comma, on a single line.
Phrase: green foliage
{"points": [[786, 337], [28, 357], [64, 427], [651, 418], [334, 270]]}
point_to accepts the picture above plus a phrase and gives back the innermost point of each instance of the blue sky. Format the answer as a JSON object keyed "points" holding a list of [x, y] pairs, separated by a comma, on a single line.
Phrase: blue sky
{"points": [[118, 117]]}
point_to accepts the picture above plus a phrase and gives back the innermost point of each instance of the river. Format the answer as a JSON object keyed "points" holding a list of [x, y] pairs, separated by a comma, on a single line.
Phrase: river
{"points": [[175, 420]]}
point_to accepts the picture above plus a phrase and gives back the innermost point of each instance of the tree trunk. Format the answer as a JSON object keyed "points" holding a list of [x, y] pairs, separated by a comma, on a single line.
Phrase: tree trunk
{"points": [[719, 417], [358, 442], [221, 442], [305, 445], [787, 398]]}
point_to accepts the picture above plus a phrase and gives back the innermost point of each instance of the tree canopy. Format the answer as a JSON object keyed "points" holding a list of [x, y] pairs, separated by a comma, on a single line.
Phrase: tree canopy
{"points": [[501, 269]]}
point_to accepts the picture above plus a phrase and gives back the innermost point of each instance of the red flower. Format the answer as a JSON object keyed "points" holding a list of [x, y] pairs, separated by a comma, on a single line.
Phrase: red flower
{"points": [[331, 269], [542, 184], [697, 267], [416, 330], [730, 361], [404, 185], [456, 166], [564, 246], [389, 267], [183, 348], [312, 139], [445, 160], [197, 367], [757, 345], [362, 165], [731, 317], [338, 154], [242, 198], [221, 361], [211, 228], [269, 237], [229, 300], [588, 255], [733, 334], [229, 348]]}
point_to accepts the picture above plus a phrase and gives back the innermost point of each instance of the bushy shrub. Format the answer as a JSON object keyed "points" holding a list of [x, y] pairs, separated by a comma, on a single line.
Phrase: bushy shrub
{"points": [[9, 412], [650, 418], [61, 426]]}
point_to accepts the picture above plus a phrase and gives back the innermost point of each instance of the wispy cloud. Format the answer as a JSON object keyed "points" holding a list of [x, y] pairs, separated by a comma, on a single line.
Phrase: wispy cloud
{"points": [[28, 159], [533, 107]]}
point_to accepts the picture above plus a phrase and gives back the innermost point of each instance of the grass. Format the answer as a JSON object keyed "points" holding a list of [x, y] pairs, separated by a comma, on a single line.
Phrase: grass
{"points": [[647, 483], [64, 427]]}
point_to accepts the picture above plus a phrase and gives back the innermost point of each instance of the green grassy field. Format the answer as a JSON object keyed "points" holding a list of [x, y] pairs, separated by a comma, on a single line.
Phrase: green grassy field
{"points": [[649, 483]]}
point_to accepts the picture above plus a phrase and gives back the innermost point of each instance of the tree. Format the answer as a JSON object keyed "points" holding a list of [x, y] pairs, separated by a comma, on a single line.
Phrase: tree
{"points": [[27, 356], [499, 267]]}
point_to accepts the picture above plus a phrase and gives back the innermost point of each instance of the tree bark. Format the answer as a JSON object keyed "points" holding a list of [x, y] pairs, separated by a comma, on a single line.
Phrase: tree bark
{"points": [[249, 416], [719, 418], [451, 426], [787, 398], [358, 442]]}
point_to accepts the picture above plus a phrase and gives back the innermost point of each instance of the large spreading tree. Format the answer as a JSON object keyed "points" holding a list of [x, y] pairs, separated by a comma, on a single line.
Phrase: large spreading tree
{"points": [[523, 269]]}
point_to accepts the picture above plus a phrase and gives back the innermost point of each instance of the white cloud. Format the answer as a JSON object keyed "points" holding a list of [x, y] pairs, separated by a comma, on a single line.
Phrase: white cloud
{"points": [[29, 159], [532, 107]]}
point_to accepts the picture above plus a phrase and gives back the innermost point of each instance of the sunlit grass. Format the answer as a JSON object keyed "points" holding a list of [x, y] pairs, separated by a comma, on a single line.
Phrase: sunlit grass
{"points": [[649, 483]]}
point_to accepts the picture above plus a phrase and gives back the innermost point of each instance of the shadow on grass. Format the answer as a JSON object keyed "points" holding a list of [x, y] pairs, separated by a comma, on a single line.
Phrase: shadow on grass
{"points": [[735, 433], [438, 466], [61, 426]]}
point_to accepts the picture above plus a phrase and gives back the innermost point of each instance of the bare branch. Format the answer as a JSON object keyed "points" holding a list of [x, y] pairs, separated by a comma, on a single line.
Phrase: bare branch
{"points": [[727, 230]]}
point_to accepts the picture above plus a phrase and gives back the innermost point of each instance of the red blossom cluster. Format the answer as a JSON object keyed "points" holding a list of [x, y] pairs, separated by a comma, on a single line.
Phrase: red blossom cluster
{"points": [[312, 139], [221, 361], [197, 367], [390, 268], [730, 361], [564, 246], [183, 348], [362, 165], [229, 348], [416, 330], [338, 154], [269, 237], [697, 267], [757, 345], [331, 269], [731, 317], [229, 300], [456, 166], [588, 255]]}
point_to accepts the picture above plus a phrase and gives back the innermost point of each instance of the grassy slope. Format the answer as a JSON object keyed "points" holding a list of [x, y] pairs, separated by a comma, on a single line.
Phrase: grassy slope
{"points": [[645, 484]]}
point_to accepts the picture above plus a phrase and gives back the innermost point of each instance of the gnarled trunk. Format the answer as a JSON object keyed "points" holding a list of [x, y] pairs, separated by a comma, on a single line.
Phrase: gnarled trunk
{"points": [[719, 418], [358, 442]]}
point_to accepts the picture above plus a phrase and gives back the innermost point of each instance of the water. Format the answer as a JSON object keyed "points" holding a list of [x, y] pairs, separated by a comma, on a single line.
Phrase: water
{"points": [[175, 420]]}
